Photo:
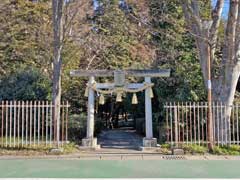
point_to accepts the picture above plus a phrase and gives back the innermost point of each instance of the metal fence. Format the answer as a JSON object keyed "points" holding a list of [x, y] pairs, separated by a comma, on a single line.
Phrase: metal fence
{"points": [[31, 123], [186, 123]]}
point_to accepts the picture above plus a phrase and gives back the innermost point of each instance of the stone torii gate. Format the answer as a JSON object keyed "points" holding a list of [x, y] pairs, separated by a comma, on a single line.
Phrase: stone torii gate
{"points": [[119, 81]]}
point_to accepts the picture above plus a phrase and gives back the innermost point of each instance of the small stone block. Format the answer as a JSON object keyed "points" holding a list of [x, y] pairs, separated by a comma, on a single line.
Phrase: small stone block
{"points": [[89, 142], [177, 151], [149, 142], [56, 151]]}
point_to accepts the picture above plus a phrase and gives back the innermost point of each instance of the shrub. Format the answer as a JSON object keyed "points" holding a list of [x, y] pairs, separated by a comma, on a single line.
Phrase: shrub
{"points": [[195, 149], [77, 127], [167, 146], [226, 150]]}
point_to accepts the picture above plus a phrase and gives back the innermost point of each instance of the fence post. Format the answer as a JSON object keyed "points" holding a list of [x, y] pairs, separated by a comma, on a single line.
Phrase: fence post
{"points": [[214, 122], [23, 120], [171, 136], [167, 129], [66, 136], [237, 105], [6, 131], [183, 123], [2, 126], [18, 122], [233, 123], [27, 109], [194, 123], [39, 124], [51, 122], [62, 123], [198, 122], [176, 124], [187, 130], [190, 121], [30, 124], [46, 118], [218, 135], [43, 112], [34, 122], [14, 123], [10, 125]]}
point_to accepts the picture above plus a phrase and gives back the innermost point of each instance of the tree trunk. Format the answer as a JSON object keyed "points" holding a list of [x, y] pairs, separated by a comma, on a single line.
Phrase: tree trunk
{"points": [[57, 6], [223, 92], [206, 34], [223, 89]]}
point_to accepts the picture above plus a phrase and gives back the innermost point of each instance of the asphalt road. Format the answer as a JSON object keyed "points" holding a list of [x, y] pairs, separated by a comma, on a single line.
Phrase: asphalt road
{"points": [[119, 169]]}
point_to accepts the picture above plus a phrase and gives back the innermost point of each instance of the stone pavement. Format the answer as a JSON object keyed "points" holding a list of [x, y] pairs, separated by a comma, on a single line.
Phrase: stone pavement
{"points": [[120, 139]]}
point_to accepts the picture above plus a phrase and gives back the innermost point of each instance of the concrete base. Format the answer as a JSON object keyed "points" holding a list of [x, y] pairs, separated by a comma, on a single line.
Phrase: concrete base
{"points": [[90, 143], [149, 142]]}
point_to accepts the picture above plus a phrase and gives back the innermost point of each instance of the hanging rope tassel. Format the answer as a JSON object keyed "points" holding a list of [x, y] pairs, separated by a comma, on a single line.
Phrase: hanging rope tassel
{"points": [[86, 92], [134, 99], [151, 93], [119, 97], [101, 99]]}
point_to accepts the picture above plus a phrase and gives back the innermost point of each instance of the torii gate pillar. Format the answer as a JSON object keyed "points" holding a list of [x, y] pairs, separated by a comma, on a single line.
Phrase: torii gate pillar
{"points": [[148, 141], [90, 141]]}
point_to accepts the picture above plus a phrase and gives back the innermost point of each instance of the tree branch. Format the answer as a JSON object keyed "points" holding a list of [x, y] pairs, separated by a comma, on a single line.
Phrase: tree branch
{"points": [[216, 19], [237, 38], [229, 55], [192, 17]]}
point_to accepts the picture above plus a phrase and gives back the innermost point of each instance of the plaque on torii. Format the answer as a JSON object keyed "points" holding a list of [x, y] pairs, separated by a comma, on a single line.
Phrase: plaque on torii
{"points": [[119, 81]]}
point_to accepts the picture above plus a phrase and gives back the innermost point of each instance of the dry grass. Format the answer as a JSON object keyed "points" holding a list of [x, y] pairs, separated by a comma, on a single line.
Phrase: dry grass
{"points": [[40, 150]]}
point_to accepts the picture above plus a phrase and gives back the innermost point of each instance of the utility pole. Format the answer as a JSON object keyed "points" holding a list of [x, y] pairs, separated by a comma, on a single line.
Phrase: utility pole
{"points": [[209, 120]]}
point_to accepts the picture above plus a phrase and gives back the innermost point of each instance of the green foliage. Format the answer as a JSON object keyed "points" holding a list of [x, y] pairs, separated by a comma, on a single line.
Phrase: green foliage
{"points": [[168, 146], [195, 149], [177, 52], [25, 84], [226, 150], [37, 150], [69, 148], [25, 35], [77, 127], [116, 40]]}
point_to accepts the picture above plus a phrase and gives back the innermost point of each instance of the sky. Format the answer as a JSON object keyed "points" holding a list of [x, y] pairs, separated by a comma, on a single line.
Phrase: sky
{"points": [[226, 7]]}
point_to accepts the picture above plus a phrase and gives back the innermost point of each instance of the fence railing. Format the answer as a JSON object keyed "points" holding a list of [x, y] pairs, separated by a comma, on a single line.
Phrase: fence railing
{"points": [[186, 122], [31, 123]]}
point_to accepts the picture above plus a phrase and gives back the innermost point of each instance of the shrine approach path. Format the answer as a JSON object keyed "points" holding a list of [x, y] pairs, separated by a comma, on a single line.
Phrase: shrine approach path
{"points": [[124, 138]]}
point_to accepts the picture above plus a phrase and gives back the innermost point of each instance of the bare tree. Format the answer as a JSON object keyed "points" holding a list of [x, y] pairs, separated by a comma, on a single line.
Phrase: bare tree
{"points": [[57, 6], [206, 35]]}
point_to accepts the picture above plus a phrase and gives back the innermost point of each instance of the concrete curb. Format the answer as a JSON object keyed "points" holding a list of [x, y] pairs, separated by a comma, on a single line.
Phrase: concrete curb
{"points": [[122, 157]]}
